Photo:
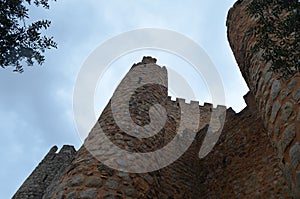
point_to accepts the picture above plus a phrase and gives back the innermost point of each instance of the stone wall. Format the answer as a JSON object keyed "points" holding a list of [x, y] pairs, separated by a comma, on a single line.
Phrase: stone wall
{"points": [[44, 174], [278, 100], [242, 164]]}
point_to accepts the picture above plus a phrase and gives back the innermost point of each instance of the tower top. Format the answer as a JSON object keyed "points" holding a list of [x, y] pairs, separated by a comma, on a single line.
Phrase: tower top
{"points": [[146, 60]]}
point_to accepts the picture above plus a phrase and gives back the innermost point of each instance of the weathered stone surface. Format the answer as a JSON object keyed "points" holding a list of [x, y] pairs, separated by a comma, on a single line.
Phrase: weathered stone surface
{"points": [[296, 95], [268, 108], [275, 110], [288, 136], [71, 195], [286, 111], [60, 195], [260, 83], [288, 174], [298, 179], [112, 184], [290, 87], [130, 191], [118, 137], [275, 89], [108, 196], [121, 163], [268, 76], [89, 193], [295, 154], [124, 175], [277, 129], [149, 179], [76, 180], [282, 92], [93, 181]]}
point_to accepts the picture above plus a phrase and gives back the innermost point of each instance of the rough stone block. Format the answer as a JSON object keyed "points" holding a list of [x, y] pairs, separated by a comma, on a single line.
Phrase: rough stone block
{"points": [[288, 136], [275, 110], [275, 89], [295, 154], [286, 111], [93, 181], [260, 82], [71, 195], [130, 191], [112, 184], [268, 108], [76, 180], [296, 95], [284, 93], [268, 76], [89, 193], [298, 179], [288, 174], [292, 84], [124, 175]]}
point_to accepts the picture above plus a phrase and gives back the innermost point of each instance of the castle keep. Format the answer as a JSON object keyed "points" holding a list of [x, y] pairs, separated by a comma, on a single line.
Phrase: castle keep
{"points": [[256, 156]]}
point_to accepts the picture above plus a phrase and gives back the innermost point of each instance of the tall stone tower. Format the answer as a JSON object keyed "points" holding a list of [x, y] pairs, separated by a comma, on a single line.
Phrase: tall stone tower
{"points": [[277, 99], [89, 177], [256, 156]]}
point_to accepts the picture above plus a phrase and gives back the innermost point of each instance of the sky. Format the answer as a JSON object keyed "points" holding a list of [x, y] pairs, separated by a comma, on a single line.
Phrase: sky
{"points": [[36, 107]]}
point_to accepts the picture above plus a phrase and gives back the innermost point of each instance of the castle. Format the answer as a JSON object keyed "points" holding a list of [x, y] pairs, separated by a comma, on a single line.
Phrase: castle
{"points": [[256, 156]]}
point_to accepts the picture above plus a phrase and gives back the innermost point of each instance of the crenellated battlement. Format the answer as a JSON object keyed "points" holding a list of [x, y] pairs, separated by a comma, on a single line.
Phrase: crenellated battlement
{"points": [[206, 106]]}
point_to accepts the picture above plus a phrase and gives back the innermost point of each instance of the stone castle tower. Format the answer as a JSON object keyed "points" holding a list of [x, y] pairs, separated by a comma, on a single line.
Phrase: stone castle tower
{"points": [[257, 154], [277, 100]]}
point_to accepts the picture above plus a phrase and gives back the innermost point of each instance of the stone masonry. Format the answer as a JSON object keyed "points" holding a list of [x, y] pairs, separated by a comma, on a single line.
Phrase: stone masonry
{"points": [[278, 100], [256, 156], [242, 164], [50, 168]]}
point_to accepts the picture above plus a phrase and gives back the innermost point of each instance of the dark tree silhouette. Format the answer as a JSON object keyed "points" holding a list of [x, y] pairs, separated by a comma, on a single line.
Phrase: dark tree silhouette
{"points": [[22, 43]]}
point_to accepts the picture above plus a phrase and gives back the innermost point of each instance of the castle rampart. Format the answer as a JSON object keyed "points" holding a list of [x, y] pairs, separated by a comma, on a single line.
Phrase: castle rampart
{"points": [[277, 99], [43, 175]]}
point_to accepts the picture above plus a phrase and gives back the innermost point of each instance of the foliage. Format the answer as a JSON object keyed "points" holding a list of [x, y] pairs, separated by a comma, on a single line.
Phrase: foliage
{"points": [[278, 34], [21, 42]]}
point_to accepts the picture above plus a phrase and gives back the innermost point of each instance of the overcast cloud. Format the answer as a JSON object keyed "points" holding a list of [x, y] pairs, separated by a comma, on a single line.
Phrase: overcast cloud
{"points": [[36, 106]]}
